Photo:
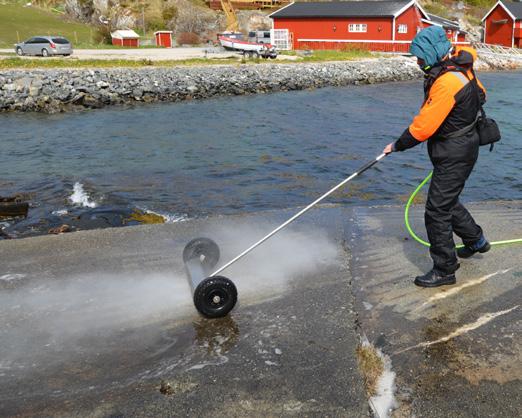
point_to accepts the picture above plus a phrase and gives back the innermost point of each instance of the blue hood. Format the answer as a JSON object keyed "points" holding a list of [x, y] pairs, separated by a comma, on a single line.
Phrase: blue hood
{"points": [[430, 45]]}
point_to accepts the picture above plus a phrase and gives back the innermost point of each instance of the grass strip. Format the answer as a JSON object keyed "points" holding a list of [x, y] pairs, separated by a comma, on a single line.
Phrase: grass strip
{"points": [[39, 63]]}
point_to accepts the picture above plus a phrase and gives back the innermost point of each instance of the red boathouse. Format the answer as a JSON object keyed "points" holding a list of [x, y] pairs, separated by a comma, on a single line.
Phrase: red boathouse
{"points": [[125, 37], [375, 25], [503, 25]]}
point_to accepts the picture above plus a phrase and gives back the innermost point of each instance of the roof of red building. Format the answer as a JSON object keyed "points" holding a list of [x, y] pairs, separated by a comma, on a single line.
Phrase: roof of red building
{"points": [[514, 8], [342, 9], [443, 22]]}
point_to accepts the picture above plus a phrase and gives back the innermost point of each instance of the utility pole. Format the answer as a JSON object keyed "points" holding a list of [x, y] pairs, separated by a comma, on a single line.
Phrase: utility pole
{"points": [[143, 18]]}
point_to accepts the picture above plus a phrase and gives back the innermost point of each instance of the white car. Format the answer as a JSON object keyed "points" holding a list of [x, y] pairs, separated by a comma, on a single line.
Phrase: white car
{"points": [[44, 46]]}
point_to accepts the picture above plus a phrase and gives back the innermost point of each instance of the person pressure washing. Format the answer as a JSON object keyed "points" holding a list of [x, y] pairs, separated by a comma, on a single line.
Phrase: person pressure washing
{"points": [[447, 121]]}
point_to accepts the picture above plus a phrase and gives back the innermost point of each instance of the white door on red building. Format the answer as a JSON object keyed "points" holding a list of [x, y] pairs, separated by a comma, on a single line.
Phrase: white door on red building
{"points": [[281, 39]]}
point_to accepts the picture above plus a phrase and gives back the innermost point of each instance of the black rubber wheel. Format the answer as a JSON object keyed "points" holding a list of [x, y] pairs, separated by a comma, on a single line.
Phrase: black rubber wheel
{"points": [[45, 53], [19, 52], [215, 297], [204, 249]]}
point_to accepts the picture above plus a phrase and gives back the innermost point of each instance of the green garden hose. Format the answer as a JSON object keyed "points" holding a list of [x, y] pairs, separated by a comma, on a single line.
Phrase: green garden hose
{"points": [[427, 244]]}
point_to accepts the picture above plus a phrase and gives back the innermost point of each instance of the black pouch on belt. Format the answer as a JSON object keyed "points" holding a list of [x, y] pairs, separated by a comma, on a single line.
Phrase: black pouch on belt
{"points": [[487, 128], [488, 131]]}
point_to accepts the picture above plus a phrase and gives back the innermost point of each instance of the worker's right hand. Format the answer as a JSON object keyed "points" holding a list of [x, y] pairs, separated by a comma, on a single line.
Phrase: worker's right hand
{"points": [[388, 149]]}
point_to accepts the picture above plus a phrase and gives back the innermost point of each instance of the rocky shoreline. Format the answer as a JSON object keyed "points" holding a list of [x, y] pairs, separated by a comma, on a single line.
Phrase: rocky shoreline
{"points": [[60, 90]]}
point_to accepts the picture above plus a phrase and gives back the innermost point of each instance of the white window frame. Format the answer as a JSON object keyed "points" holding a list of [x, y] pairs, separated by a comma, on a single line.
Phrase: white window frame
{"points": [[281, 39], [357, 27], [402, 28]]}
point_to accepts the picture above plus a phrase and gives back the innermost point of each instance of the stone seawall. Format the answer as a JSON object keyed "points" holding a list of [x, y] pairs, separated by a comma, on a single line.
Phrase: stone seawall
{"points": [[59, 90]]}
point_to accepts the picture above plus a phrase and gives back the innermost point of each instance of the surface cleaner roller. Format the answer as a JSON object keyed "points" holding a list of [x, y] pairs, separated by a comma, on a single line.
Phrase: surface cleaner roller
{"points": [[214, 296]]}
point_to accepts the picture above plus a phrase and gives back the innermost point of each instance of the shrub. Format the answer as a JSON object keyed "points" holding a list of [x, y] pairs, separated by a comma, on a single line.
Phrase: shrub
{"points": [[169, 12], [155, 23], [188, 38], [103, 34]]}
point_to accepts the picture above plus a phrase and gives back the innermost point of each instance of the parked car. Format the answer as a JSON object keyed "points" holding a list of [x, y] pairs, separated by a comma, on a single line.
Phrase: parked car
{"points": [[44, 46]]}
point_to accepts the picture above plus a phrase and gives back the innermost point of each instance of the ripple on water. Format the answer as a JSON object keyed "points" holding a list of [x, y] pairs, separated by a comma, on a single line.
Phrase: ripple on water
{"points": [[231, 155]]}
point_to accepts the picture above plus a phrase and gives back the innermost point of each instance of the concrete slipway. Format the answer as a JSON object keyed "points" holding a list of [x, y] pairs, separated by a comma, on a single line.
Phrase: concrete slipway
{"points": [[93, 322]]}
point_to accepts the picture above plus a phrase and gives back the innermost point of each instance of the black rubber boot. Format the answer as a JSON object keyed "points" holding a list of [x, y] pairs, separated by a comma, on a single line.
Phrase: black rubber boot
{"points": [[481, 246], [434, 278]]}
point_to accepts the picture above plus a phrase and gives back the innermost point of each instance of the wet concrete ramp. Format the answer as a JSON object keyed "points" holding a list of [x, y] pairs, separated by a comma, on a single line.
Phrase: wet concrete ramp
{"points": [[456, 350], [100, 323]]}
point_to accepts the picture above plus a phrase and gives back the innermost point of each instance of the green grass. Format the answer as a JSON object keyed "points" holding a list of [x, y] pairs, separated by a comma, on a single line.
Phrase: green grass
{"points": [[327, 55], [18, 23], [57, 62]]}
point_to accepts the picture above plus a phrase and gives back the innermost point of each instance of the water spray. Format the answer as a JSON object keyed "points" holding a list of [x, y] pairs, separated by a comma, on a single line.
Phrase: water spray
{"points": [[215, 296]]}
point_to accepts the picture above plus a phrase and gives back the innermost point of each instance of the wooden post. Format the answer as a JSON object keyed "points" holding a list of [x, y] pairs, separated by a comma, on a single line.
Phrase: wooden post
{"points": [[143, 19], [90, 37], [76, 37], [18, 36]]}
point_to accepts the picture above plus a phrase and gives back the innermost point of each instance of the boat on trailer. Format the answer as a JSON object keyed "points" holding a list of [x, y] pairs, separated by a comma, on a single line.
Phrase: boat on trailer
{"points": [[235, 42]]}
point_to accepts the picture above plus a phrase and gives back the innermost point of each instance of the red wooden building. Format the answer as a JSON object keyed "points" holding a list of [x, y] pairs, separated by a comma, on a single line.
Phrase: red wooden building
{"points": [[503, 25], [125, 37], [453, 31], [376, 25], [163, 38]]}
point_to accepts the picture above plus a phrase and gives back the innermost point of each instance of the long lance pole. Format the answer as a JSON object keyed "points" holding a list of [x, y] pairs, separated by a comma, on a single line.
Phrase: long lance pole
{"points": [[301, 212]]}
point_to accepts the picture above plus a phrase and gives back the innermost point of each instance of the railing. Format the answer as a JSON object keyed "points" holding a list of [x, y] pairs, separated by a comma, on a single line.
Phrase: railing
{"points": [[498, 50], [249, 4], [398, 47]]}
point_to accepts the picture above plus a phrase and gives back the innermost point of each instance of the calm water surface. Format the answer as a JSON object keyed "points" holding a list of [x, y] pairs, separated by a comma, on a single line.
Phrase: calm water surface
{"points": [[235, 154]]}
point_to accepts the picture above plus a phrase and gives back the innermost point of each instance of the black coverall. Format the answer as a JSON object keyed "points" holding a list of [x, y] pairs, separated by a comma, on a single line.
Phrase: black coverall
{"points": [[453, 147]]}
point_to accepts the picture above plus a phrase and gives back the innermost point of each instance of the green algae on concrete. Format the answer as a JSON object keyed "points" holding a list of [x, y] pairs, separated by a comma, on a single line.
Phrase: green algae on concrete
{"points": [[147, 218]]}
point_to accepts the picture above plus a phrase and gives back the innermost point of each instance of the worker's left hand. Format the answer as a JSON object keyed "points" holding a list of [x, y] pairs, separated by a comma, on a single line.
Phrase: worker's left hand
{"points": [[388, 149]]}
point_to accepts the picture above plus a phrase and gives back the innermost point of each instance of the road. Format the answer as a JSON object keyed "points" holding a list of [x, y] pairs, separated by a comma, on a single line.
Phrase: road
{"points": [[153, 54]]}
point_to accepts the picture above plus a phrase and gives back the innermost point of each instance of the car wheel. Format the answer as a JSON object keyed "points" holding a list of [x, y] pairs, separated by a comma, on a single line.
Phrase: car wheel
{"points": [[45, 53], [19, 52]]}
